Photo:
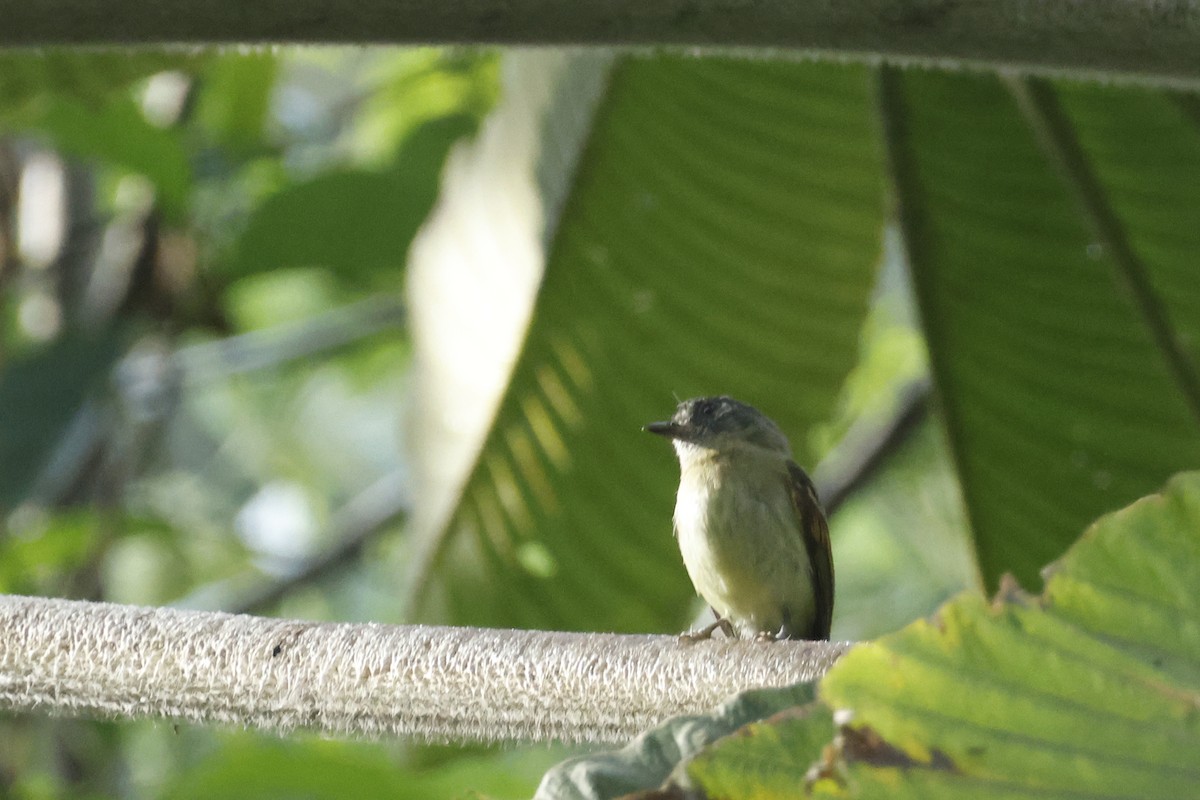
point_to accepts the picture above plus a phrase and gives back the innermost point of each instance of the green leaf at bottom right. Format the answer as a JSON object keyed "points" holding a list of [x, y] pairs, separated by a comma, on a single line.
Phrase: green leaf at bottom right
{"points": [[1091, 689]]}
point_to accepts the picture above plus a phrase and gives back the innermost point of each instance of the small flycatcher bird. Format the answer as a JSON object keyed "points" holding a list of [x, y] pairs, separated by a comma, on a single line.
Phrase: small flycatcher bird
{"points": [[750, 528]]}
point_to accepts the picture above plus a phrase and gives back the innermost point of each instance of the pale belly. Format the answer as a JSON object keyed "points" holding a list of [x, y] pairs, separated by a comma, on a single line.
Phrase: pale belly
{"points": [[745, 554]]}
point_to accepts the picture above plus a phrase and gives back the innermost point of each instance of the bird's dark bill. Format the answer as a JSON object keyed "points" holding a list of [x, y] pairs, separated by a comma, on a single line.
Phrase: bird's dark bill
{"points": [[667, 428]]}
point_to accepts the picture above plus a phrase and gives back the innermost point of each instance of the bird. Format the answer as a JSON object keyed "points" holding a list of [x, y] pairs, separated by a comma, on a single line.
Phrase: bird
{"points": [[750, 527]]}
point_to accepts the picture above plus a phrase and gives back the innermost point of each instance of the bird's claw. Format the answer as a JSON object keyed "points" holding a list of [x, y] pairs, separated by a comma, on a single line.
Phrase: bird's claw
{"points": [[772, 636], [706, 632]]}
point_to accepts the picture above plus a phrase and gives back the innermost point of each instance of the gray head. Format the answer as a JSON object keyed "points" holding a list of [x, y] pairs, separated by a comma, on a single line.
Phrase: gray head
{"points": [[721, 423]]}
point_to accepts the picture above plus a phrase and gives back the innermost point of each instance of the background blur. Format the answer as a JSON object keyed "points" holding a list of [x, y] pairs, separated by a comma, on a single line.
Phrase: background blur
{"points": [[369, 334]]}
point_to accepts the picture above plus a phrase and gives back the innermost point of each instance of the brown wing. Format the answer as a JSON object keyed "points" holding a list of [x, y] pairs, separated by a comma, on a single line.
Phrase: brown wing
{"points": [[815, 530]]}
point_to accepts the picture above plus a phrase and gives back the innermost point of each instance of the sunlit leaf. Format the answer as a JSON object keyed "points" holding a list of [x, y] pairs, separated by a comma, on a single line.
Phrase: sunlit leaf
{"points": [[1089, 690]]}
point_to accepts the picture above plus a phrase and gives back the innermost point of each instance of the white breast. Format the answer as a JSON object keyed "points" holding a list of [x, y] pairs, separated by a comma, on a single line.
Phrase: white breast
{"points": [[741, 542]]}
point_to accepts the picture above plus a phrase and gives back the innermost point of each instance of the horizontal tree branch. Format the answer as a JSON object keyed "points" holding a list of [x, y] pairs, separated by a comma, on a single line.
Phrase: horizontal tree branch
{"points": [[110, 661], [1156, 40]]}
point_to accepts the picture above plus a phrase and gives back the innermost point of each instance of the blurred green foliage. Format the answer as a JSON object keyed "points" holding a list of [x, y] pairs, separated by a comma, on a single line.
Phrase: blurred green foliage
{"points": [[285, 191], [44, 387], [28, 80]]}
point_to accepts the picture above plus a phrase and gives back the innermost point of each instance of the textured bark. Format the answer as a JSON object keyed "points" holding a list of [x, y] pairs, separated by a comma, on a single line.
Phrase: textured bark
{"points": [[434, 683]]}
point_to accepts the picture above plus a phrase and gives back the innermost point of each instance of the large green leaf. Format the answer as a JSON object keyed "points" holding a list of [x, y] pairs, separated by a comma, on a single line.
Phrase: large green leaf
{"points": [[1089, 690], [1146, 159], [720, 233], [1053, 257]]}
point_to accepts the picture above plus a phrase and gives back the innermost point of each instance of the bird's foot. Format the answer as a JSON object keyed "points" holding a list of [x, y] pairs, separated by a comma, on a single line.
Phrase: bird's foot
{"points": [[706, 632], [772, 636]]}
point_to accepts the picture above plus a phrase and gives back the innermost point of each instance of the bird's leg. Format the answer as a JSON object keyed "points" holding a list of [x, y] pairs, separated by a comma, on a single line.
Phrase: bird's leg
{"points": [[706, 632]]}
